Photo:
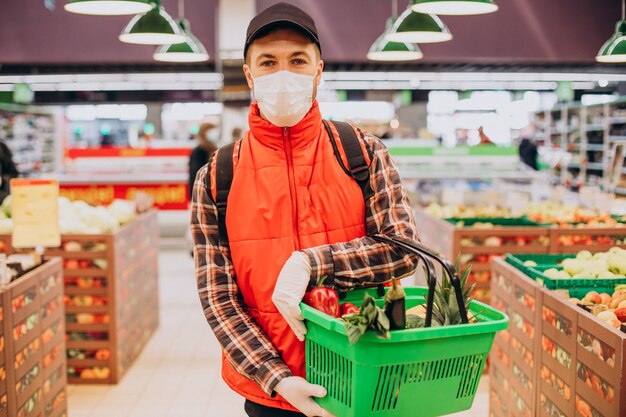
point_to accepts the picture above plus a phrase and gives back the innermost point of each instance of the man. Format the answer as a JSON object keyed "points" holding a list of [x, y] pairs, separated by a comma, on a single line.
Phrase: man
{"points": [[293, 216], [201, 154]]}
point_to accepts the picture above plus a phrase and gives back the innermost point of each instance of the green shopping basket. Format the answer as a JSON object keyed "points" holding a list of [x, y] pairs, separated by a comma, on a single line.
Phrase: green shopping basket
{"points": [[424, 372]]}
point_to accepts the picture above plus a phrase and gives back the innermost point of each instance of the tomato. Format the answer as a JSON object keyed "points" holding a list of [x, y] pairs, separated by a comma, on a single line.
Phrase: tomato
{"points": [[348, 308]]}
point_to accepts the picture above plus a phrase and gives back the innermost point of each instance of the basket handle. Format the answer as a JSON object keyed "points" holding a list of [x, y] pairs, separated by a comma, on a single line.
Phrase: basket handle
{"points": [[422, 252]]}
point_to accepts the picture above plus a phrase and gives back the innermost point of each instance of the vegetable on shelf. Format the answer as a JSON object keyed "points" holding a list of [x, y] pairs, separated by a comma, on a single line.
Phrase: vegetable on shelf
{"points": [[348, 308], [323, 299], [369, 317], [395, 307]]}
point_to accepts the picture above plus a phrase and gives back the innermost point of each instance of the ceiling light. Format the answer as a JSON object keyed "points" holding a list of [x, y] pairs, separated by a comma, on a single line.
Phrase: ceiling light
{"points": [[412, 27], [385, 50], [155, 27], [614, 50], [454, 7], [108, 7], [191, 50]]}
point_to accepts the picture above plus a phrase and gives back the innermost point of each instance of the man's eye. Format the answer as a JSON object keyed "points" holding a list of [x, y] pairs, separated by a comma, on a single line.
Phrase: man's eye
{"points": [[267, 63], [299, 62]]}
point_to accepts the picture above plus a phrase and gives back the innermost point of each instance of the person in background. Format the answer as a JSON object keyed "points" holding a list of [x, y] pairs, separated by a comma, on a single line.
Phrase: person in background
{"points": [[8, 170], [528, 152], [201, 154], [237, 134], [484, 140]]}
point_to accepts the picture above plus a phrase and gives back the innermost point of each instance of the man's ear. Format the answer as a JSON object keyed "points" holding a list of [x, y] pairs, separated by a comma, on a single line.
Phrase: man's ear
{"points": [[248, 74], [318, 73]]}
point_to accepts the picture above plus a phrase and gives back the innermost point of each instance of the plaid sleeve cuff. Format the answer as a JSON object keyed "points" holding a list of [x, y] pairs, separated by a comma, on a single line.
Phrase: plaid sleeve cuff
{"points": [[270, 373], [321, 261]]}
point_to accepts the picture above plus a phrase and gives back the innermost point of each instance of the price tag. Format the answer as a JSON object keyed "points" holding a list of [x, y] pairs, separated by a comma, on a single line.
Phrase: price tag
{"points": [[452, 197], [517, 202], [35, 213]]}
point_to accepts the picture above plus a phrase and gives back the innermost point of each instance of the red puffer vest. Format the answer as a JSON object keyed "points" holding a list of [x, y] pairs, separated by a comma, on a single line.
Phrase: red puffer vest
{"points": [[288, 193]]}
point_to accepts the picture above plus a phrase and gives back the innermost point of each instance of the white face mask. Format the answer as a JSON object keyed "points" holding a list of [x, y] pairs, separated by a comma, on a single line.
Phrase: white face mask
{"points": [[284, 97]]}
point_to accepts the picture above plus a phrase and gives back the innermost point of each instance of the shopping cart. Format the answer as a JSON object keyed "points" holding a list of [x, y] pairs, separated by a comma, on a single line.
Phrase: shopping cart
{"points": [[424, 372]]}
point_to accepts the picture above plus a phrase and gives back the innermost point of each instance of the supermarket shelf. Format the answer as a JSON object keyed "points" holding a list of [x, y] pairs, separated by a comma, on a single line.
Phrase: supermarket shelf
{"points": [[617, 120], [620, 191], [595, 166], [594, 128], [594, 147], [614, 138]]}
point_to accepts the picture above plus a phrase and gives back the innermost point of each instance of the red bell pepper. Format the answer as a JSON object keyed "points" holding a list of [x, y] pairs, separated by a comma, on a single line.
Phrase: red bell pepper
{"points": [[323, 299], [348, 308]]}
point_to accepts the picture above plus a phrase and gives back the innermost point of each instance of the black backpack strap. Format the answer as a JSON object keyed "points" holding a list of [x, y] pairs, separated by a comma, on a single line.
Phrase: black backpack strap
{"points": [[223, 181], [358, 168]]}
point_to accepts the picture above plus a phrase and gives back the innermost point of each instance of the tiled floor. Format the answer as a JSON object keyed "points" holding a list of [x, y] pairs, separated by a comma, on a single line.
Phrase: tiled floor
{"points": [[178, 373]]}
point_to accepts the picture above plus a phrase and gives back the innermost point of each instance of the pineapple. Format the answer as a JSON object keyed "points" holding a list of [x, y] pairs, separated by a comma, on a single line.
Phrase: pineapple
{"points": [[445, 308]]}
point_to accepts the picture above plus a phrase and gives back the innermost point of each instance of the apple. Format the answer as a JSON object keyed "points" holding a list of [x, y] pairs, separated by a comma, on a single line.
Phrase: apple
{"points": [[616, 302], [606, 299], [615, 323], [593, 297], [620, 313], [71, 264], [84, 264], [85, 282]]}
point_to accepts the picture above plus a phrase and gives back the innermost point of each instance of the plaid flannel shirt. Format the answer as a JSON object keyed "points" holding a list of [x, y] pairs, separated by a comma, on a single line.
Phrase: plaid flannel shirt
{"points": [[358, 263]]}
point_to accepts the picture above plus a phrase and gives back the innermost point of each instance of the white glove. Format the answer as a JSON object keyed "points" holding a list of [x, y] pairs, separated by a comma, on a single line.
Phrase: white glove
{"points": [[298, 392], [291, 285]]}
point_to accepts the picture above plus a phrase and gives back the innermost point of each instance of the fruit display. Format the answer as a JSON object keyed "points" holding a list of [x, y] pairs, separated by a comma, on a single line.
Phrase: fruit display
{"points": [[78, 217], [447, 211], [33, 363], [581, 338], [111, 294]]}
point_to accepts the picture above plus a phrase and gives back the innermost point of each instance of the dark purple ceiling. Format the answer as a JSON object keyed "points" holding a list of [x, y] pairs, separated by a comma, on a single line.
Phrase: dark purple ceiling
{"points": [[523, 31], [529, 31], [30, 33]]}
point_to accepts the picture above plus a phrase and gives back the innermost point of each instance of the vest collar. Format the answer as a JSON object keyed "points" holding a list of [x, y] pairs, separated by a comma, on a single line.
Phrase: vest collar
{"points": [[273, 136]]}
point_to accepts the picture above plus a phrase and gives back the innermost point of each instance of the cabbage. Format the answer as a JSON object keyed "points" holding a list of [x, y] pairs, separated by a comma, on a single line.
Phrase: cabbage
{"points": [[584, 255], [123, 210]]}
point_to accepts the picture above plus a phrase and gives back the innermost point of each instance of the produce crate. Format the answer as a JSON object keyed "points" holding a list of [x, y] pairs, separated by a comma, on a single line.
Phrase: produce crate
{"points": [[558, 353], [520, 298], [581, 360], [33, 327], [600, 368], [594, 239], [111, 298], [577, 287], [112, 306], [478, 247]]}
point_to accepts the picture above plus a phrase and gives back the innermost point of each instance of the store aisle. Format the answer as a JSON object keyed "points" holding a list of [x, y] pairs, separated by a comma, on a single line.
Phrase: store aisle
{"points": [[178, 374]]}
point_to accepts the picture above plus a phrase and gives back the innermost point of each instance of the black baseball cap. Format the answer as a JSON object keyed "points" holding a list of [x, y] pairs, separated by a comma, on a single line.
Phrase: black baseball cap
{"points": [[279, 15]]}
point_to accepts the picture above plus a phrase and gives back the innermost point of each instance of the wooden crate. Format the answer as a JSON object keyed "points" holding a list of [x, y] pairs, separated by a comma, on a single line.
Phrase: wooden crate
{"points": [[580, 361], [558, 353], [520, 297], [473, 246], [34, 333], [600, 368], [122, 297], [111, 287], [594, 239]]}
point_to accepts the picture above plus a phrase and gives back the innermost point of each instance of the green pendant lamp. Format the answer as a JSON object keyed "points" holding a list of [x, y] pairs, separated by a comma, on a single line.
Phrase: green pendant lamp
{"points": [[412, 27], [614, 50], [155, 27], [455, 7], [108, 7], [385, 50], [191, 50]]}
